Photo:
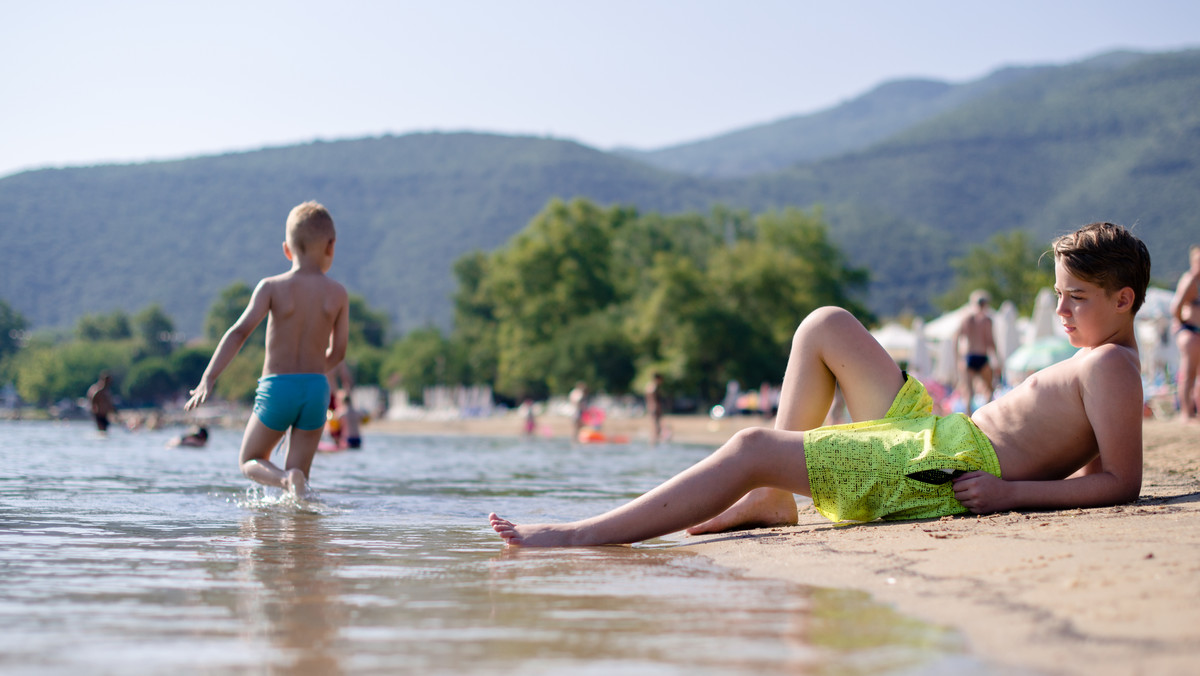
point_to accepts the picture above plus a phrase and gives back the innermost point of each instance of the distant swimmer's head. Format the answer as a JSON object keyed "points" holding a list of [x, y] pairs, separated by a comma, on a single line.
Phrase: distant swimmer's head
{"points": [[1107, 255], [309, 227]]}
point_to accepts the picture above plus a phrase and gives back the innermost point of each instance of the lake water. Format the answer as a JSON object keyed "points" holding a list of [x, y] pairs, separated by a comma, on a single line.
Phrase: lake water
{"points": [[121, 556]]}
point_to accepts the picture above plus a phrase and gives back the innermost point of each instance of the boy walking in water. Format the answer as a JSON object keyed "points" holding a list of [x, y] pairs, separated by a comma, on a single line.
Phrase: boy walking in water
{"points": [[1068, 436], [307, 317]]}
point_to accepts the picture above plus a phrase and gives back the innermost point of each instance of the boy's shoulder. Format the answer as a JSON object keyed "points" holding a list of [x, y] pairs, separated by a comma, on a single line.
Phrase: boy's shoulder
{"points": [[1110, 366]]}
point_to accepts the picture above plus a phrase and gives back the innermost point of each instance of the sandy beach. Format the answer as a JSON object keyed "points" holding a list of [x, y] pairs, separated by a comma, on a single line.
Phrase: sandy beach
{"points": [[1112, 590]]}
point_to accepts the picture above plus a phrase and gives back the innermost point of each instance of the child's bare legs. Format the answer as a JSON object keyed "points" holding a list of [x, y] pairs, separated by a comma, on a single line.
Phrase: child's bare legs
{"points": [[257, 444], [830, 348], [753, 457]]}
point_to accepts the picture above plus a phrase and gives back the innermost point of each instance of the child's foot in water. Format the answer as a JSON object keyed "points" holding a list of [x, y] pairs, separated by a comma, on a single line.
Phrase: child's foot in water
{"points": [[296, 484]]}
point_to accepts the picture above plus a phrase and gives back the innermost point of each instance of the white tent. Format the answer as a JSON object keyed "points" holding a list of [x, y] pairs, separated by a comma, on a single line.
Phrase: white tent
{"points": [[897, 340], [1005, 329], [921, 361], [1045, 317]]}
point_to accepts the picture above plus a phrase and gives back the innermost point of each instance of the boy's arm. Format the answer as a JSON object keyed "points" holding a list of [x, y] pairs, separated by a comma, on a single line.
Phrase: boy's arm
{"points": [[231, 343], [340, 335], [1112, 400]]}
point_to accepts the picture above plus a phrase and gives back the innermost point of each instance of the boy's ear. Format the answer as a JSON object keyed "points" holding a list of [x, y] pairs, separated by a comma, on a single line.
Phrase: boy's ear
{"points": [[1125, 299], [287, 251], [329, 247]]}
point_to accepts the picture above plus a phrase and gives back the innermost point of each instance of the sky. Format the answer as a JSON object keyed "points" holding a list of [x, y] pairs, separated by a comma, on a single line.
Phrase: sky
{"points": [[88, 82]]}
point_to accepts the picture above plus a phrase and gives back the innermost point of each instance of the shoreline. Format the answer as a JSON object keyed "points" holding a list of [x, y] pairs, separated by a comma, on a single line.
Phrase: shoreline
{"points": [[1111, 590]]}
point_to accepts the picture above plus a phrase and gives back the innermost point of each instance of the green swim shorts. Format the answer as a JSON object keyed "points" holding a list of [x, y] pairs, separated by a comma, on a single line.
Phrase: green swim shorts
{"points": [[893, 468]]}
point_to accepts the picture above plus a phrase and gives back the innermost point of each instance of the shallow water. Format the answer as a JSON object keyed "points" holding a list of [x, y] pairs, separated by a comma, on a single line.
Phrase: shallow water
{"points": [[118, 555]]}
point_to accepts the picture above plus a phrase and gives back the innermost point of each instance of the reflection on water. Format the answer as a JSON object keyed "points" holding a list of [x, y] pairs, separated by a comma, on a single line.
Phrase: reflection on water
{"points": [[120, 556]]}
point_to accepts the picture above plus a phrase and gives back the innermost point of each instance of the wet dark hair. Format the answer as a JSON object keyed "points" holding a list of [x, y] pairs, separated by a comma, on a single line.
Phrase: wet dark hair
{"points": [[1107, 255]]}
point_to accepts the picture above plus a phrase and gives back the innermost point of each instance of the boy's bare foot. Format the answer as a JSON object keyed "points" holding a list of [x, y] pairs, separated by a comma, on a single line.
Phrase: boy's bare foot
{"points": [[296, 484], [537, 535], [759, 508]]}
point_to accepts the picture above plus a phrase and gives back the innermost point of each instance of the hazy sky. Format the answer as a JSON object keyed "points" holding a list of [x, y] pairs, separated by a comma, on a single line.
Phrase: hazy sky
{"points": [[102, 81]]}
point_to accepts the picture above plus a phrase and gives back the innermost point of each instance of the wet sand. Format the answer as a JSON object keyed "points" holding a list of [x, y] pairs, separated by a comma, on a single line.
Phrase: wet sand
{"points": [[1112, 590]]}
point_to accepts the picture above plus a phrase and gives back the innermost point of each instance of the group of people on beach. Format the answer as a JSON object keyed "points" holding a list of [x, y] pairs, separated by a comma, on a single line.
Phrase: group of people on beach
{"points": [[1069, 436]]}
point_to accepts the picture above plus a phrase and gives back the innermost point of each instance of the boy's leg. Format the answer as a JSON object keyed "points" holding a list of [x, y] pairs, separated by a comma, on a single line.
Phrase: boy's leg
{"points": [[255, 457], [830, 348], [301, 449], [753, 457]]}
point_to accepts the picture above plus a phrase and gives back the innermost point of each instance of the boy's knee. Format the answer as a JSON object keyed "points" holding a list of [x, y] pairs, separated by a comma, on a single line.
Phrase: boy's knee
{"points": [[823, 317], [747, 441]]}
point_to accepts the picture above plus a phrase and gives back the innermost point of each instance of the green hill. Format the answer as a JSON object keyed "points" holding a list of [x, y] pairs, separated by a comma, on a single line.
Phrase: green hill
{"points": [[850, 126], [1043, 149], [1052, 151], [94, 239]]}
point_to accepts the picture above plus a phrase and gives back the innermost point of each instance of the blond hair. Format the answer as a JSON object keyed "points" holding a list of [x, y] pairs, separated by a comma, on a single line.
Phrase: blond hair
{"points": [[309, 223]]}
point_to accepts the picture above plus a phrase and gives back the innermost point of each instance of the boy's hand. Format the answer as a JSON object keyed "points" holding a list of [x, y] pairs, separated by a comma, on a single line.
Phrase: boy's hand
{"points": [[982, 493], [199, 395]]}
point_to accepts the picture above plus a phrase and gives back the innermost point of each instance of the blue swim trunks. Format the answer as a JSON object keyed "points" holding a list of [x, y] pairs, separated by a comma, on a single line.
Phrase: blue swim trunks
{"points": [[298, 400]]}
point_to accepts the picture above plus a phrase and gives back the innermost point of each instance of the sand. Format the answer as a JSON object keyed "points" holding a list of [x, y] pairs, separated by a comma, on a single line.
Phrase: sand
{"points": [[1112, 590]]}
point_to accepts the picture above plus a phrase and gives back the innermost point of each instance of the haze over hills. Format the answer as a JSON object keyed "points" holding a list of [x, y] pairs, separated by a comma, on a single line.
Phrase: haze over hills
{"points": [[909, 175]]}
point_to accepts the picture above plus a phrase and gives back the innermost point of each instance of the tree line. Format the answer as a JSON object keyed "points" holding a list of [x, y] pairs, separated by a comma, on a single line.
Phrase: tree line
{"points": [[602, 295]]}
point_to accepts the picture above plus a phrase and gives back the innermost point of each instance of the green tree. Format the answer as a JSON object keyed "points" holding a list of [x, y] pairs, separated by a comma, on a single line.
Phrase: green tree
{"points": [[155, 330], [150, 381], [112, 326], [475, 323], [704, 321], [422, 358], [367, 326], [225, 310], [555, 271], [1009, 266], [12, 332], [49, 373], [187, 366]]}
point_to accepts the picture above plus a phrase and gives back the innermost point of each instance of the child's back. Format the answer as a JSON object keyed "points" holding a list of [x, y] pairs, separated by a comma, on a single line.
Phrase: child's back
{"points": [[303, 309], [307, 331]]}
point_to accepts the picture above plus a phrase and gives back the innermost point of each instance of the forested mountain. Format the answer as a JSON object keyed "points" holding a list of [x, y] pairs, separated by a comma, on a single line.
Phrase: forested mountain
{"points": [[93, 239], [1043, 149], [848, 127]]}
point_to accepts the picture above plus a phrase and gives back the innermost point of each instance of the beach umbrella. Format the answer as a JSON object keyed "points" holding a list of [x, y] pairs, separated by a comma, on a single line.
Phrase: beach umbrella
{"points": [[945, 369], [1004, 328], [946, 326], [921, 360], [1039, 354], [897, 340], [1045, 316]]}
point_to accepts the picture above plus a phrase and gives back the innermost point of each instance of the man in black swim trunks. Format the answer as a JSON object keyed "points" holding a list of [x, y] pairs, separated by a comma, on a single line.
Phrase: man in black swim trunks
{"points": [[980, 342]]}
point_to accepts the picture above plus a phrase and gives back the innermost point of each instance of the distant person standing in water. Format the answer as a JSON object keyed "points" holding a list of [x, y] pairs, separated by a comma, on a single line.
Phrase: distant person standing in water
{"points": [[977, 333], [349, 422], [307, 317], [655, 406], [1185, 309], [580, 399], [100, 399]]}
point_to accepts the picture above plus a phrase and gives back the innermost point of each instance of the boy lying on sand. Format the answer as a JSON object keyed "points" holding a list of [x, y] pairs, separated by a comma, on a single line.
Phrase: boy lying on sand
{"points": [[1068, 436]]}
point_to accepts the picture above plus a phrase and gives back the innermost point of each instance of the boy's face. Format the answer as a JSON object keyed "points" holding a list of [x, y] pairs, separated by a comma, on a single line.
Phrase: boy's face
{"points": [[1090, 315]]}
